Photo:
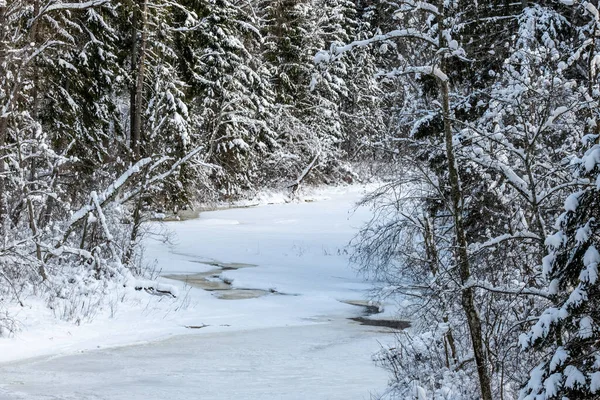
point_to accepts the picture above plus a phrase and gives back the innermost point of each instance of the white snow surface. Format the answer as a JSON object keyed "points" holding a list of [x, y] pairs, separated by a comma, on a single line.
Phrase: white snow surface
{"points": [[296, 344]]}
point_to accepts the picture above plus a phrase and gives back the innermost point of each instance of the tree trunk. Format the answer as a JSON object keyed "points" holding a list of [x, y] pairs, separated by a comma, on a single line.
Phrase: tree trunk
{"points": [[136, 132], [3, 193], [462, 255], [433, 257], [3, 123], [135, 231], [535, 208], [134, 22]]}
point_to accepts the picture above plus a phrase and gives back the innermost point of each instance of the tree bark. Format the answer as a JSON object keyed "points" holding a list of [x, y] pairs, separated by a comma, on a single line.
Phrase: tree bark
{"points": [[137, 224], [3, 122], [3, 193], [139, 85], [134, 30], [462, 256], [433, 257]]}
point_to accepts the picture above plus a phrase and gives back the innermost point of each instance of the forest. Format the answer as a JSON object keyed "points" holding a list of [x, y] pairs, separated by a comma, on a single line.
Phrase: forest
{"points": [[481, 121]]}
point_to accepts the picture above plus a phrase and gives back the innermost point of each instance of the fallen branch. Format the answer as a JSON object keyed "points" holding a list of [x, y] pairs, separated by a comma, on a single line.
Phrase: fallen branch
{"points": [[296, 185]]}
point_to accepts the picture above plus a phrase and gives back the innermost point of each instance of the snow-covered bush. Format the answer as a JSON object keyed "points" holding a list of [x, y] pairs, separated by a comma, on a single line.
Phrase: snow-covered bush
{"points": [[421, 369]]}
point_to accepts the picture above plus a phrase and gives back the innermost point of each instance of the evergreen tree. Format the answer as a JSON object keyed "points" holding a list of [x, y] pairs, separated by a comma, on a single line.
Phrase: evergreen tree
{"points": [[229, 92], [568, 331], [310, 100], [566, 334]]}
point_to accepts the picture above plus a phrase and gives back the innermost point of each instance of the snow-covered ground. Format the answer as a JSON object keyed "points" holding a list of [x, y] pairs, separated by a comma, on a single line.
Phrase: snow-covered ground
{"points": [[326, 361], [295, 342]]}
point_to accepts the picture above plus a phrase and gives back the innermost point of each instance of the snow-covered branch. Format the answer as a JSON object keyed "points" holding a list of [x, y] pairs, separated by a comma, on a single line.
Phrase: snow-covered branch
{"points": [[60, 6], [110, 191], [523, 291], [326, 56], [475, 247], [432, 70], [160, 177], [412, 6]]}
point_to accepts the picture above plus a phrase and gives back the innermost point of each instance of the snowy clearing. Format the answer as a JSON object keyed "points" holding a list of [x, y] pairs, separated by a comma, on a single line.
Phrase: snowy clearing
{"points": [[293, 340]]}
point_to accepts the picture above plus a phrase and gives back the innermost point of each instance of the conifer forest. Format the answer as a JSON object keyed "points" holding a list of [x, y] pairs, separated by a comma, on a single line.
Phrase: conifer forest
{"points": [[475, 124]]}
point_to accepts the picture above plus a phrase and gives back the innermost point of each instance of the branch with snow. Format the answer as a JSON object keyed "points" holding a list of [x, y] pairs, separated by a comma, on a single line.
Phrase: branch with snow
{"points": [[522, 291], [106, 229], [110, 191], [327, 56], [59, 6], [160, 177], [475, 247], [432, 70]]}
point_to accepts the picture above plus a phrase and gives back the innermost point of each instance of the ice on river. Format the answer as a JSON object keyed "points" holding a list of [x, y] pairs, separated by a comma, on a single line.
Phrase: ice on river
{"points": [[294, 342], [324, 361]]}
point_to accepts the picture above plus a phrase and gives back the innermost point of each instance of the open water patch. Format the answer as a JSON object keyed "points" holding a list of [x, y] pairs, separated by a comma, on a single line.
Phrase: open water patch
{"points": [[373, 308], [212, 281]]}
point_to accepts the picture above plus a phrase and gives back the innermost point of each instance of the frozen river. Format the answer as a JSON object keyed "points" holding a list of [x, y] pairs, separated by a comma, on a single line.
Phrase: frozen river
{"points": [[294, 342], [328, 361]]}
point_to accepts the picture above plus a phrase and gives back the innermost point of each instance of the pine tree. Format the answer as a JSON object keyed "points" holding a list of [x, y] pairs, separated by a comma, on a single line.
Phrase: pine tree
{"points": [[566, 334], [310, 100], [229, 92], [569, 330]]}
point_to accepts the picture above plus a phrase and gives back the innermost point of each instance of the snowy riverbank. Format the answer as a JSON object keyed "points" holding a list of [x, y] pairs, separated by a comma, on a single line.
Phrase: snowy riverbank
{"points": [[295, 253]]}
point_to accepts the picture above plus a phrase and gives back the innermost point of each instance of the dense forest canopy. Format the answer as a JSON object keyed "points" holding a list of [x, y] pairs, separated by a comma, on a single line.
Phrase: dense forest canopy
{"points": [[481, 119]]}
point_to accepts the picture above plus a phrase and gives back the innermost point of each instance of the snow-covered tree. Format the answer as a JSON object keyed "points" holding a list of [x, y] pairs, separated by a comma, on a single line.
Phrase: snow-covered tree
{"points": [[71, 190], [484, 141], [310, 101], [429, 28], [229, 91], [566, 334], [568, 330]]}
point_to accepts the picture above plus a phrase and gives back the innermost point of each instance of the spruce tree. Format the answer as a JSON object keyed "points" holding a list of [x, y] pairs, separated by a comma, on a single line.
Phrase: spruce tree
{"points": [[229, 92]]}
